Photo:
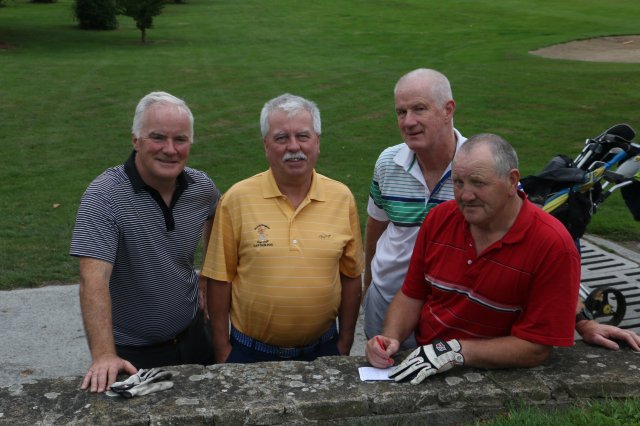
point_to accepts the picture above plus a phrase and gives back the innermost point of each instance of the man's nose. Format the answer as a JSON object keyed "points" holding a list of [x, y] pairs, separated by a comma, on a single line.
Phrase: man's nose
{"points": [[293, 144], [409, 119], [466, 193], [169, 146]]}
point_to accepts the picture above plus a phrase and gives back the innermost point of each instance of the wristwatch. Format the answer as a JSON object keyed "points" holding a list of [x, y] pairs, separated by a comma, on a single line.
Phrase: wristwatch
{"points": [[584, 314]]}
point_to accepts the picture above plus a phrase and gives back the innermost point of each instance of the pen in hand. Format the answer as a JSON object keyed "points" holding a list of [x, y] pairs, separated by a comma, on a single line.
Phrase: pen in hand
{"points": [[382, 345]]}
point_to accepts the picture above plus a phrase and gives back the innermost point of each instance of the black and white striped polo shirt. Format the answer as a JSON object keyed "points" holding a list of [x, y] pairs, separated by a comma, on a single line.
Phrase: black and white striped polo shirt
{"points": [[122, 221]]}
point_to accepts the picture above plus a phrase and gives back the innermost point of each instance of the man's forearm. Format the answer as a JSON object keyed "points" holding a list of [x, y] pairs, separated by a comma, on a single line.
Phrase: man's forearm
{"points": [[95, 304], [219, 304], [349, 305], [374, 230], [402, 317], [503, 352]]}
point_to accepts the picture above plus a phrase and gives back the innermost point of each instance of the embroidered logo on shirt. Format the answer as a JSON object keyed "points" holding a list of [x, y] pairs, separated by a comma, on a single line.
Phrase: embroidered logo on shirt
{"points": [[324, 236], [263, 238]]}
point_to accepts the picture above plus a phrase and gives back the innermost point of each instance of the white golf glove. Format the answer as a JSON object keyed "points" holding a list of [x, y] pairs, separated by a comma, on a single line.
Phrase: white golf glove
{"points": [[427, 360], [143, 382]]}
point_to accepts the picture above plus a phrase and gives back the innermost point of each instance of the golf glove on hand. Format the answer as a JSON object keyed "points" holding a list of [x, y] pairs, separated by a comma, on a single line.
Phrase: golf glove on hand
{"points": [[143, 383], [427, 360]]}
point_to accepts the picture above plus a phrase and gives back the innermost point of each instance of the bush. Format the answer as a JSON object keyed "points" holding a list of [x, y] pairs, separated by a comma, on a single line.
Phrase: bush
{"points": [[142, 11], [96, 14]]}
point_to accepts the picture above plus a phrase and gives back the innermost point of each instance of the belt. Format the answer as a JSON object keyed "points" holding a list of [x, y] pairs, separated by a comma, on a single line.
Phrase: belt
{"points": [[176, 340], [281, 352], [171, 342]]}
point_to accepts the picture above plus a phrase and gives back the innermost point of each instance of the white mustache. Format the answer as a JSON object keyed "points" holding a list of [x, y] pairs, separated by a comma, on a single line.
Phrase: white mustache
{"points": [[292, 156]]}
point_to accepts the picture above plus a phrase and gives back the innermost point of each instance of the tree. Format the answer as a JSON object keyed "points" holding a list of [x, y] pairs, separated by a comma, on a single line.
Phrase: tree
{"points": [[96, 14], [142, 11]]}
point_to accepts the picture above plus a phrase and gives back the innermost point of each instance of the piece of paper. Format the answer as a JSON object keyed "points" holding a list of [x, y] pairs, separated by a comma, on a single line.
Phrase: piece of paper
{"points": [[368, 374]]}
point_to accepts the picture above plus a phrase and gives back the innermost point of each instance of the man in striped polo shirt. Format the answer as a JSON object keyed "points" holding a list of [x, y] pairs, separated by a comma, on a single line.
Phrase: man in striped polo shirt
{"points": [[408, 180], [136, 233], [285, 254]]}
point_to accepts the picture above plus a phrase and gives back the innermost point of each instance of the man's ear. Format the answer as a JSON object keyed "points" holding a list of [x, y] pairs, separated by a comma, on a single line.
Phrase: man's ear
{"points": [[450, 108], [134, 141], [514, 180]]}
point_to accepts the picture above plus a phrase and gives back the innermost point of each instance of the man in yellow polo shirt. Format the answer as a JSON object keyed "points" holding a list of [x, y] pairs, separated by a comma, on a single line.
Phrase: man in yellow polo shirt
{"points": [[285, 254]]}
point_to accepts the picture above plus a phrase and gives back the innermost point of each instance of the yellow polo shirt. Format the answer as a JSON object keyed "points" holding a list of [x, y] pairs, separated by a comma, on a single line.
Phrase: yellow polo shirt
{"points": [[283, 264]]}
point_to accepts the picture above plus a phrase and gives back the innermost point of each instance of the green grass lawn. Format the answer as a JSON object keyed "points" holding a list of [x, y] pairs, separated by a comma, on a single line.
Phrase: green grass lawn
{"points": [[610, 412], [67, 96]]}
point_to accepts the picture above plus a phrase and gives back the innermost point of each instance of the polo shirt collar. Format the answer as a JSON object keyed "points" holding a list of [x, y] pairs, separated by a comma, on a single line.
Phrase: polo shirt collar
{"points": [[138, 184], [522, 223], [270, 187], [182, 182]]}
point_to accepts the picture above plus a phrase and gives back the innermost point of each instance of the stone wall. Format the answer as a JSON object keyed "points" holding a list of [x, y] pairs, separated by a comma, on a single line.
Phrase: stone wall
{"points": [[329, 391]]}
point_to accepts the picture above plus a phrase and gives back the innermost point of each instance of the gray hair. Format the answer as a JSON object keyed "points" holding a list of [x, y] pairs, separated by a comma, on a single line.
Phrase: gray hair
{"points": [[292, 105], [154, 98], [438, 85], [504, 156]]}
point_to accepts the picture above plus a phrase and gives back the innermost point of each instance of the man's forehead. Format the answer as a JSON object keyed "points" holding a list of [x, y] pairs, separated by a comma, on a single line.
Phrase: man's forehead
{"points": [[411, 99], [281, 121], [476, 159]]}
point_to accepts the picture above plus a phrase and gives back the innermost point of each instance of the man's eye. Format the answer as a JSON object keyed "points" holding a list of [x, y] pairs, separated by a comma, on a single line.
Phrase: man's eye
{"points": [[157, 138], [181, 140]]}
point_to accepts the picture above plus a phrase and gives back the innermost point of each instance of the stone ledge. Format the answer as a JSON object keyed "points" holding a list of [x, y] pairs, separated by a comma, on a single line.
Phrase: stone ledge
{"points": [[329, 391]]}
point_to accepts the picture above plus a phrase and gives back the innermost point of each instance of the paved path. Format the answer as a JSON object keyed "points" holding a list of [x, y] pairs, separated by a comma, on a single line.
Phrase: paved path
{"points": [[42, 333]]}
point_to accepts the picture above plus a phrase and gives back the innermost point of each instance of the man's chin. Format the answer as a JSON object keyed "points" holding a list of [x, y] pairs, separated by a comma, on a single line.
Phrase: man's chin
{"points": [[472, 214], [169, 171]]}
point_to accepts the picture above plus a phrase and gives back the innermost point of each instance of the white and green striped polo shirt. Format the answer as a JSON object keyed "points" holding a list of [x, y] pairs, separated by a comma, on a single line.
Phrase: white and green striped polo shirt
{"points": [[399, 194]]}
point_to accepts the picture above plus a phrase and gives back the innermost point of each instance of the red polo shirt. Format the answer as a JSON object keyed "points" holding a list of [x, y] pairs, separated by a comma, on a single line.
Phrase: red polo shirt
{"points": [[524, 285]]}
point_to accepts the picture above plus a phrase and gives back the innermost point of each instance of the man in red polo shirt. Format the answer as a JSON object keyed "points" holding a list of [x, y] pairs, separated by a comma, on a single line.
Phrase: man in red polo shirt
{"points": [[493, 280]]}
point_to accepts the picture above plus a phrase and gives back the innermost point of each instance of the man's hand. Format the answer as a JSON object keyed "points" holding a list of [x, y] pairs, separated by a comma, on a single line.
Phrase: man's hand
{"points": [[594, 333], [344, 344], [379, 350], [221, 352], [104, 371], [427, 360]]}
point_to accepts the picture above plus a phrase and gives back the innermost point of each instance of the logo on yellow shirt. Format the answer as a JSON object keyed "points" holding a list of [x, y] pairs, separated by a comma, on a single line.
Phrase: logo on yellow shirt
{"points": [[263, 238]]}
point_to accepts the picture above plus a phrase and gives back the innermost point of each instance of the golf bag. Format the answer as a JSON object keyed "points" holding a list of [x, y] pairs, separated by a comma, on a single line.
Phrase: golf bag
{"points": [[572, 191]]}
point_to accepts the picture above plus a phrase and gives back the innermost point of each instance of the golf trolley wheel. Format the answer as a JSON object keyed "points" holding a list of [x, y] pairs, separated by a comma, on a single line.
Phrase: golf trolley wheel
{"points": [[601, 306]]}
